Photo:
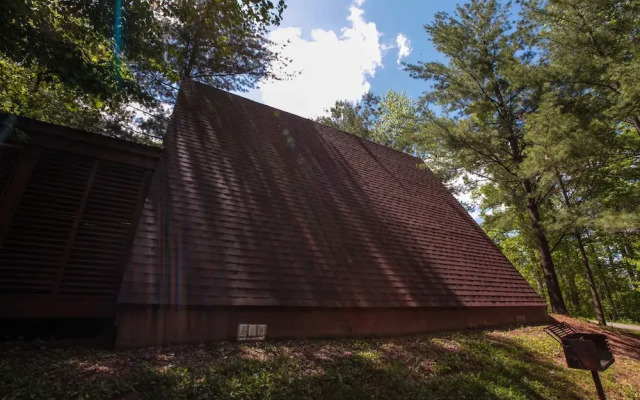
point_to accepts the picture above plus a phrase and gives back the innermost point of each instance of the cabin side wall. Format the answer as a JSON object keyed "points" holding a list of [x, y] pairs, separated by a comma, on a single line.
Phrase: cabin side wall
{"points": [[157, 325], [70, 202]]}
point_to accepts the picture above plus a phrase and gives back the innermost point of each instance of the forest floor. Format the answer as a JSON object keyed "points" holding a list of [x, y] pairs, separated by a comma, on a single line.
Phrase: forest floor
{"points": [[522, 363]]}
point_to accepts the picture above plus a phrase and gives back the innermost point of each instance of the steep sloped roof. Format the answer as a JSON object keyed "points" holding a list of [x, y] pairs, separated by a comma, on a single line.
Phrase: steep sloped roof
{"points": [[255, 206]]}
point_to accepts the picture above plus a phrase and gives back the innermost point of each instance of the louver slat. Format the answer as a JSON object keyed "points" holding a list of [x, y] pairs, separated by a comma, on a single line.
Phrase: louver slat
{"points": [[105, 228], [8, 161], [69, 203], [54, 211], [42, 231]]}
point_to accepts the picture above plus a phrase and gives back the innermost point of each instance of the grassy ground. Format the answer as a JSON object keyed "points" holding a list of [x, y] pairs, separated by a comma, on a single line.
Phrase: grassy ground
{"points": [[498, 364]]}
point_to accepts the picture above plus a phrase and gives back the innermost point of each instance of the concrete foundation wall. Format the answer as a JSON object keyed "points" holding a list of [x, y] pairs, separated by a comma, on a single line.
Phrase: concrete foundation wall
{"points": [[146, 326]]}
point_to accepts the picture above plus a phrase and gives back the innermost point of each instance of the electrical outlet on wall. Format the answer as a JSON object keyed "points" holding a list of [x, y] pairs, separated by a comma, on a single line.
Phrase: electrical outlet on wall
{"points": [[262, 331], [252, 331], [243, 331]]}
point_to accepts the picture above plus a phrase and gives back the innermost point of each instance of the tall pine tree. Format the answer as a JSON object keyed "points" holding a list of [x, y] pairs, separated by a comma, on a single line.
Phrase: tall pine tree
{"points": [[485, 92]]}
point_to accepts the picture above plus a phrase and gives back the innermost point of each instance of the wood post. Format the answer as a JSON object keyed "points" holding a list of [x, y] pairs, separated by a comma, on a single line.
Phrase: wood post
{"points": [[596, 380]]}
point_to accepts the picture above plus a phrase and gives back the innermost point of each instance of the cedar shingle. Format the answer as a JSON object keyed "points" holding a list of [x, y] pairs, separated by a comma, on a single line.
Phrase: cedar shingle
{"points": [[254, 206]]}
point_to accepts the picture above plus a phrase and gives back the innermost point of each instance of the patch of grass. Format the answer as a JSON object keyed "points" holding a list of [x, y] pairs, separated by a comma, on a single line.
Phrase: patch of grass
{"points": [[501, 364]]}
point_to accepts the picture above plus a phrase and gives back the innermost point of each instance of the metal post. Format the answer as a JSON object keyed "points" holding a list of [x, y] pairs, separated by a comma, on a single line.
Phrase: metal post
{"points": [[596, 380]]}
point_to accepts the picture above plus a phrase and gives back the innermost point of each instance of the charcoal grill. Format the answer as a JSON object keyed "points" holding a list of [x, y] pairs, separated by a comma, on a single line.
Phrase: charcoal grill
{"points": [[589, 351]]}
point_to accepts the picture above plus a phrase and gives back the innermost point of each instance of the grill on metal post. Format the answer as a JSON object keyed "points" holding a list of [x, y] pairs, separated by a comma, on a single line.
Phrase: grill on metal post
{"points": [[588, 351]]}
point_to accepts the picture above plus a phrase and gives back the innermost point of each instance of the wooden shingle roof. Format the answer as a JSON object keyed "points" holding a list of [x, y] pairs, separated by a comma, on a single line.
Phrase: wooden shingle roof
{"points": [[252, 206]]}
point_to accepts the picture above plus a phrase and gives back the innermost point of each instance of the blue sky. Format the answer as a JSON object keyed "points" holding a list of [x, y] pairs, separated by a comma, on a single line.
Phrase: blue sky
{"points": [[342, 48]]}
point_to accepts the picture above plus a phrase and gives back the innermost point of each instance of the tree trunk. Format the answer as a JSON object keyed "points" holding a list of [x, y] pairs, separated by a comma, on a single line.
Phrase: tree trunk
{"points": [[627, 252], [193, 52], [605, 284], [33, 94], [585, 261], [542, 243], [574, 297], [546, 262], [540, 282], [590, 280], [636, 123]]}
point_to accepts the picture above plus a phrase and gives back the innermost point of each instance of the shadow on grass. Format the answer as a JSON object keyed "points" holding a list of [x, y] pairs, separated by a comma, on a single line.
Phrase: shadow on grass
{"points": [[472, 365]]}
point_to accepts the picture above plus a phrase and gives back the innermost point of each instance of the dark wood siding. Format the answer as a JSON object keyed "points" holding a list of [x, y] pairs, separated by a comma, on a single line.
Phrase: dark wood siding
{"points": [[68, 215], [9, 156], [147, 326]]}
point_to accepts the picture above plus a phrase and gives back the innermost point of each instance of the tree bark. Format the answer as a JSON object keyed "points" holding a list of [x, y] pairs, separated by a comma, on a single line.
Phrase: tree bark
{"points": [[590, 280], [540, 282], [546, 262], [574, 296], [636, 123], [191, 53], [585, 261], [542, 243], [607, 291], [191, 60], [627, 252], [35, 89], [605, 284]]}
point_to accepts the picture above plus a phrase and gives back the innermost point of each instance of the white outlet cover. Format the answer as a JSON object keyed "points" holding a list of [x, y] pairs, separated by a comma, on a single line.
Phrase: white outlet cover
{"points": [[243, 330], [252, 331], [262, 331]]}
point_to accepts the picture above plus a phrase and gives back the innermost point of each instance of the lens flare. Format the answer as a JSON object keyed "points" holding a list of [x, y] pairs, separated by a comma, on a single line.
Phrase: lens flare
{"points": [[6, 126], [117, 37]]}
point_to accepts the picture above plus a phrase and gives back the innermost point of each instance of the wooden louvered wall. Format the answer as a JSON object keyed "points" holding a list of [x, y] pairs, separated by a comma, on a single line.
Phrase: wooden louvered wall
{"points": [[69, 205]]}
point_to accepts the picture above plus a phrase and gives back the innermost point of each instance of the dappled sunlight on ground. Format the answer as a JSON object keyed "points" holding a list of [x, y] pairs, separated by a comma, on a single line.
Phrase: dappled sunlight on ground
{"points": [[519, 363]]}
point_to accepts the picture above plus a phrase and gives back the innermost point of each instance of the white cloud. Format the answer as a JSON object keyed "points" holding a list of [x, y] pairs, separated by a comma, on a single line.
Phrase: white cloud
{"points": [[359, 3], [404, 46], [465, 196], [331, 66]]}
